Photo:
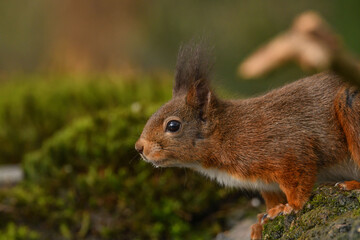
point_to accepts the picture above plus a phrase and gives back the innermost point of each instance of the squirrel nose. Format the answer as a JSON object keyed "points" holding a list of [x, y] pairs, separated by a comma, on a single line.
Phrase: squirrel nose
{"points": [[139, 147]]}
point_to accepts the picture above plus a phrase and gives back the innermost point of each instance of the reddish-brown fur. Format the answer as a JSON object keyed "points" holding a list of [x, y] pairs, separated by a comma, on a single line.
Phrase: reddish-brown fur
{"points": [[273, 198], [290, 136], [349, 185]]}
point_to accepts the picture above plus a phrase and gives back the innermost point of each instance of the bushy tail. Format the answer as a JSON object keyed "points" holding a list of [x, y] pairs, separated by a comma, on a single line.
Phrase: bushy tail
{"points": [[347, 107]]}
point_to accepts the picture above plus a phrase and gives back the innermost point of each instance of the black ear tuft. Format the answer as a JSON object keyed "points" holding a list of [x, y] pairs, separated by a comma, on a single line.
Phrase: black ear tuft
{"points": [[194, 64]]}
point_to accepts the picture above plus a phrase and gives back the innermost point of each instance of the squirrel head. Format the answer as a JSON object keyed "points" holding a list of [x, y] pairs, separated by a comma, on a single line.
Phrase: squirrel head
{"points": [[180, 132]]}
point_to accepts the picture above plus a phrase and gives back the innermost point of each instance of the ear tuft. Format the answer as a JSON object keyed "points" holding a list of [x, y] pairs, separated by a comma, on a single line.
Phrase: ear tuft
{"points": [[193, 67]]}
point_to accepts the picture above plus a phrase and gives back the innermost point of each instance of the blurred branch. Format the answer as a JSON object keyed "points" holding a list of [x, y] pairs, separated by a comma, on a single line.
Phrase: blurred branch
{"points": [[311, 43]]}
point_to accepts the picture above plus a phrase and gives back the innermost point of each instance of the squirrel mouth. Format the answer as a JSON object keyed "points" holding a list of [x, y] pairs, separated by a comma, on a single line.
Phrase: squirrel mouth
{"points": [[157, 163], [160, 163], [144, 158]]}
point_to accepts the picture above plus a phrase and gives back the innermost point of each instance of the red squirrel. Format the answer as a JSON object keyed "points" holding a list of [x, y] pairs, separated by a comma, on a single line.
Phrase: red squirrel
{"points": [[281, 143]]}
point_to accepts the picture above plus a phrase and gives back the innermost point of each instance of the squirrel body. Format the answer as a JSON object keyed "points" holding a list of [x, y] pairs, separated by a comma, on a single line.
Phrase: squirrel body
{"points": [[281, 143]]}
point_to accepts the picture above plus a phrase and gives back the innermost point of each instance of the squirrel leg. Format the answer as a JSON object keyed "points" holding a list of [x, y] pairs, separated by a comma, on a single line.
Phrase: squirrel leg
{"points": [[348, 185], [272, 199], [256, 229], [296, 194]]}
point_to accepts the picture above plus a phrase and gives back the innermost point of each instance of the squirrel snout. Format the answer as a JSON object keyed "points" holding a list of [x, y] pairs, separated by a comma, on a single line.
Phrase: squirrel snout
{"points": [[139, 146]]}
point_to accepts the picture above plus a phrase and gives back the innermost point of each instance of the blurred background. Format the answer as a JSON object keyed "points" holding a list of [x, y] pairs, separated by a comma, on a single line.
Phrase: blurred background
{"points": [[78, 80], [144, 36]]}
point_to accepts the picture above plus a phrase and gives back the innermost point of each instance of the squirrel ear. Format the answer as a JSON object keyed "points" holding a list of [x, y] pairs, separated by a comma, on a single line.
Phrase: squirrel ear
{"points": [[192, 69], [200, 97], [197, 94]]}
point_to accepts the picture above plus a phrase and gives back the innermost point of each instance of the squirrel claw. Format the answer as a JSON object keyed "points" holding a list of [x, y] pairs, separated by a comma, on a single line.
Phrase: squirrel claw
{"points": [[340, 185], [264, 217]]}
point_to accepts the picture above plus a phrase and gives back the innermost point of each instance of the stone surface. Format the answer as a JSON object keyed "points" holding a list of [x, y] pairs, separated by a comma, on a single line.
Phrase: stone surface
{"points": [[241, 230], [10, 174]]}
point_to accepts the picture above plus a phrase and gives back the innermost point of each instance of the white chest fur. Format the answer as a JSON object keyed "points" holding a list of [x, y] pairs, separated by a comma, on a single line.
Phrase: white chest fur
{"points": [[230, 181]]}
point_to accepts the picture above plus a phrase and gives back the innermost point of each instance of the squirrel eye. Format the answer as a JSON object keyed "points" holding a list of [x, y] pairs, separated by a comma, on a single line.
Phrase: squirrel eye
{"points": [[173, 126]]}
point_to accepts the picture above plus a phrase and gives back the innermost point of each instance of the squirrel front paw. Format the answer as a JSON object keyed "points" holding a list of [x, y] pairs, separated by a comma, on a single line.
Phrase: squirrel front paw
{"points": [[348, 185], [280, 209]]}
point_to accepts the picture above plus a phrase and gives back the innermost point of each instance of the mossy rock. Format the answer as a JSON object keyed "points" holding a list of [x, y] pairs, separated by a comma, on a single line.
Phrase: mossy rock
{"points": [[329, 214]]}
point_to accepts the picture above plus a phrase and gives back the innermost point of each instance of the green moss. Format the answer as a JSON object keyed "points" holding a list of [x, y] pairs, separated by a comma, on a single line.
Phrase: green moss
{"points": [[33, 108], [18, 232], [275, 229], [87, 182], [356, 212]]}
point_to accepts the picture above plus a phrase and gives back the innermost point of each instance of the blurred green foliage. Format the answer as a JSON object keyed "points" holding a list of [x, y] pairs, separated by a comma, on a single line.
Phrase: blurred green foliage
{"points": [[87, 182], [14, 232], [33, 108]]}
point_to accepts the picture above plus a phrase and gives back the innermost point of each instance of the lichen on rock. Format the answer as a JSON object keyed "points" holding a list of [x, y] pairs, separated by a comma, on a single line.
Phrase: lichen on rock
{"points": [[330, 213]]}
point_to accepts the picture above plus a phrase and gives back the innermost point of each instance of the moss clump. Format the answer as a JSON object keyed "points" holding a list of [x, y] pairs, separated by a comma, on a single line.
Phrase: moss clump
{"points": [[275, 230], [33, 108], [329, 214], [16, 232], [87, 182]]}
